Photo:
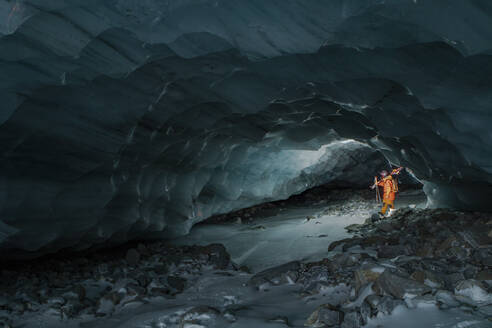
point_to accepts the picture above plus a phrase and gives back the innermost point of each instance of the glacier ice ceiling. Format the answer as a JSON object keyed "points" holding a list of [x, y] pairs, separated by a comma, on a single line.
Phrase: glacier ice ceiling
{"points": [[128, 119]]}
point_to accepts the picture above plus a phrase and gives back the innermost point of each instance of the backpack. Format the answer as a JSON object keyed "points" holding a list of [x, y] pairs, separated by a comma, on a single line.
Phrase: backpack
{"points": [[395, 184]]}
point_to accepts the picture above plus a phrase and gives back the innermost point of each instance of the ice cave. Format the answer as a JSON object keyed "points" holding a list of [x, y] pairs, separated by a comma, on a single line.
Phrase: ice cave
{"points": [[223, 163]]}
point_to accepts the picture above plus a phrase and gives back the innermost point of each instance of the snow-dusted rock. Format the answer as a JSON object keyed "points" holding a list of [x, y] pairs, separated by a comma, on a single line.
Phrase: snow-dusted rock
{"points": [[447, 298], [472, 290], [202, 316], [399, 287]]}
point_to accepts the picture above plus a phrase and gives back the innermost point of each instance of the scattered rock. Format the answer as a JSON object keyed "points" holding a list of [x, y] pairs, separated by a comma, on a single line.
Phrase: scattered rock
{"points": [[101, 284], [448, 268]]}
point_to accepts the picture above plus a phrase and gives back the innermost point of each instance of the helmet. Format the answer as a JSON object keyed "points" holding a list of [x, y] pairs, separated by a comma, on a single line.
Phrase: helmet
{"points": [[383, 173]]}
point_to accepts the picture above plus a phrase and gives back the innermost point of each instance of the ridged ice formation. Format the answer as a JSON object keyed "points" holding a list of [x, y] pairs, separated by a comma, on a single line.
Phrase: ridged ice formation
{"points": [[125, 119]]}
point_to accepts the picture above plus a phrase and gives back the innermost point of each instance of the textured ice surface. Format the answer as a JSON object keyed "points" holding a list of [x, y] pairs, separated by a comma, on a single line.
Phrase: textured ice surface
{"points": [[125, 119]]}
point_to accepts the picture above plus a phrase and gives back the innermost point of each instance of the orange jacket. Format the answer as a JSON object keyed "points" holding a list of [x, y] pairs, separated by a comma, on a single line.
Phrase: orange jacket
{"points": [[388, 190]]}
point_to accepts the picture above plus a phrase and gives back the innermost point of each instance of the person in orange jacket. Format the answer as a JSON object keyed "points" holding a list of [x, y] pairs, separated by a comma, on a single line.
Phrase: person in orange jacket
{"points": [[389, 191]]}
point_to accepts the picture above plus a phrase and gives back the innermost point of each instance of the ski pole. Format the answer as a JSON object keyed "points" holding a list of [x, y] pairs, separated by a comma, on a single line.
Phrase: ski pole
{"points": [[378, 196]]}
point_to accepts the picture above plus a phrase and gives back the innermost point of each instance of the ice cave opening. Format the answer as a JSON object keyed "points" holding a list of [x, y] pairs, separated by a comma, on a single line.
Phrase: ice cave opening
{"points": [[207, 163]]}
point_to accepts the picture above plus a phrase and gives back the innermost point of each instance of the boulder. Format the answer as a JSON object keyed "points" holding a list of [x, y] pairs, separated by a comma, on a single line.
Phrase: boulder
{"points": [[366, 275], [353, 228], [444, 247], [427, 278], [421, 301], [373, 300], [446, 298], [425, 251], [374, 218], [399, 287], [453, 279], [105, 306], [325, 315], [366, 312], [391, 251], [385, 226], [217, 255], [378, 240], [352, 320], [347, 259], [283, 274], [484, 275], [476, 237], [345, 243], [201, 316], [387, 304]]}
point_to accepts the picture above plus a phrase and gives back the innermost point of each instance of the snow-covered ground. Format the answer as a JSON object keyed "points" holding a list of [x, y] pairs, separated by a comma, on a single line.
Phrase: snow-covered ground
{"points": [[289, 235]]}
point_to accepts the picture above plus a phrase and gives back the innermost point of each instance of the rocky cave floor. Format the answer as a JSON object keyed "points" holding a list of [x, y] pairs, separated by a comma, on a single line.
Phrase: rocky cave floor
{"points": [[420, 267]]}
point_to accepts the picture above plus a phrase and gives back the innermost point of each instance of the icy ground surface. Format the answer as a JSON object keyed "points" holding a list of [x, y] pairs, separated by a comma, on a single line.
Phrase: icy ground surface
{"points": [[220, 296], [297, 232]]}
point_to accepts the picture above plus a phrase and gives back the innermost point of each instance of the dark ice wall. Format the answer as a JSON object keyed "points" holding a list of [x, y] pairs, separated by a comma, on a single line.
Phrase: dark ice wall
{"points": [[131, 119]]}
